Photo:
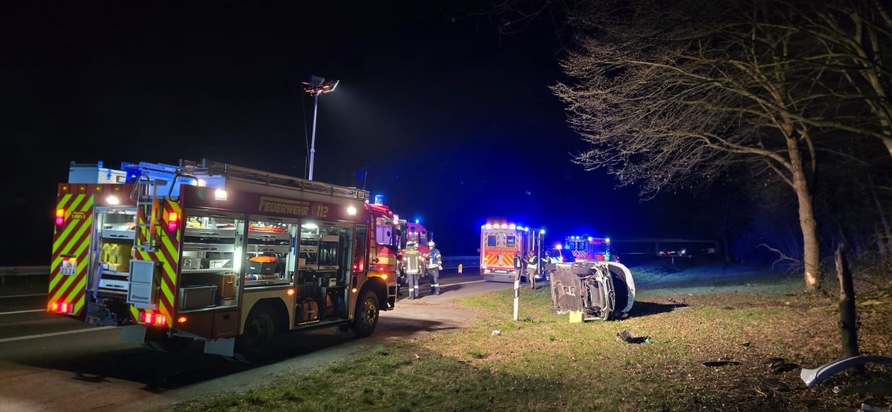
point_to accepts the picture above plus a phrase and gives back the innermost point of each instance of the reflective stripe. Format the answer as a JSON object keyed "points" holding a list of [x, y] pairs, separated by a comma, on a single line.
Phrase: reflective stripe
{"points": [[435, 285]]}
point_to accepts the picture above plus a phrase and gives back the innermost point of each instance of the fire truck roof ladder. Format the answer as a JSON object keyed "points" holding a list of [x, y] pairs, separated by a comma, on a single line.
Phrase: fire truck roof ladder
{"points": [[145, 239], [211, 168]]}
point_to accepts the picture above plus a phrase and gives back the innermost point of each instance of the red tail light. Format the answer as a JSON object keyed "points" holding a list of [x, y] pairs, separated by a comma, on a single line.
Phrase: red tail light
{"points": [[61, 307], [60, 217], [173, 222], [155, 319]]}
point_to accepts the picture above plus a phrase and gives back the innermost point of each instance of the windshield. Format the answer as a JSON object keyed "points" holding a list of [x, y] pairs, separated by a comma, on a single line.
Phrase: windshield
{"points": [[563, 255]]}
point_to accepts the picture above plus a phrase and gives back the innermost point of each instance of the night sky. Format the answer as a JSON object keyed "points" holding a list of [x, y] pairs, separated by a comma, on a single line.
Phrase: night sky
{"points": [[451, 122]]}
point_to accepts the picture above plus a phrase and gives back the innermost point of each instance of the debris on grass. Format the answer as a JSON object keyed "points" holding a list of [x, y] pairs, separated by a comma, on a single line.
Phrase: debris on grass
{"points": [[774, 385], [630, 338], [716, 364]]}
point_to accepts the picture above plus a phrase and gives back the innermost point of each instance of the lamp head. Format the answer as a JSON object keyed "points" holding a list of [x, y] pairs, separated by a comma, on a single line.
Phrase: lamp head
{"points": [[318, 85]]}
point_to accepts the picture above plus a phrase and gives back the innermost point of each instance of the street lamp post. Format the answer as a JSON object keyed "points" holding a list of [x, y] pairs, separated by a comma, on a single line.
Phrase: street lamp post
{"points": [[316, 86]]}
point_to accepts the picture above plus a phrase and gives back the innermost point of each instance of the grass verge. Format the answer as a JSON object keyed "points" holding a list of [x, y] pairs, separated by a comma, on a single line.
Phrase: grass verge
{"points": [[730, 348]]}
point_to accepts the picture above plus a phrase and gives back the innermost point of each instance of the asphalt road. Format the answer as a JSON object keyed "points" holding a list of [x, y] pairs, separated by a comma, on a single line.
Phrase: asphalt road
{"points": [[52, 363]]}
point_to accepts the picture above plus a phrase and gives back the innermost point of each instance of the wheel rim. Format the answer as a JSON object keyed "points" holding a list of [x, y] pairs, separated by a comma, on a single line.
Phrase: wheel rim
{"points": [[260, 330], [368, 312]]}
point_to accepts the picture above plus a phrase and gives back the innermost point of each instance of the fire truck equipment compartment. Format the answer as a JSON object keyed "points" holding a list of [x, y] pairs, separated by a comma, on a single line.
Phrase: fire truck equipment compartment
{"points": [[197, 297]]}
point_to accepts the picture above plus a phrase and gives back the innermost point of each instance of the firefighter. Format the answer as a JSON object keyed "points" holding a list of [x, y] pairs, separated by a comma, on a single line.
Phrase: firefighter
{"points": [[412, 265], [532, 268], [434, 265], [518, 266]]}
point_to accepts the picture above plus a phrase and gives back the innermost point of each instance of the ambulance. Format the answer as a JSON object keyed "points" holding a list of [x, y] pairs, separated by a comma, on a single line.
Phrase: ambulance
{"points": [[500, 243]]}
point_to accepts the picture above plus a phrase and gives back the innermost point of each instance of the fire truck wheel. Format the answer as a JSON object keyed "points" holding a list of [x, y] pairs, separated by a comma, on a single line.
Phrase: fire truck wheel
{"points": [[365, 319], [260, 330]]}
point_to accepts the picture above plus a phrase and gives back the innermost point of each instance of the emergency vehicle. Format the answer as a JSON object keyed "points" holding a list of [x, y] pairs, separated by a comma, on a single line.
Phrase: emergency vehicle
{"points": [[590, 249], [500, 242], [413, 232], [217, 253]]}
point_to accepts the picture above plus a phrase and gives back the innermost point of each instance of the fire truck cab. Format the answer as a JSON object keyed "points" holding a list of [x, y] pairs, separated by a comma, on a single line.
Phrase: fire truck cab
{"points": [[590, 249], [413, 232], [500, 243], [220, 254]]}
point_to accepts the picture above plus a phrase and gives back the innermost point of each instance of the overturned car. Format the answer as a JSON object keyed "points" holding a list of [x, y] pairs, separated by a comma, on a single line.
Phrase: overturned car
{"points": [[600, 290]]}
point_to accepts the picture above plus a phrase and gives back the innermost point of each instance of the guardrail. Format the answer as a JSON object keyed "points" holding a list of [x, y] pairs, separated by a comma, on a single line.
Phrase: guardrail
{"points": [[449, 262], [452, 262], [21, 271]]}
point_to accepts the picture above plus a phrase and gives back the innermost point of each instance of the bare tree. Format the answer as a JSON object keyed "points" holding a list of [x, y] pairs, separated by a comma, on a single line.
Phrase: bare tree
{"points": [[857, 40], [670, 96]]}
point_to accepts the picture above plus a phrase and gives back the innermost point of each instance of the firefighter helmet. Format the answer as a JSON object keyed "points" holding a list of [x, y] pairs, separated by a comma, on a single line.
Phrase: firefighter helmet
{"points": [[431, 243]]}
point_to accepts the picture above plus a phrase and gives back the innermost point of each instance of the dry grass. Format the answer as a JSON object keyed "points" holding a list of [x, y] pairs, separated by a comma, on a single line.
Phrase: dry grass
{"points": [[756, 336]]}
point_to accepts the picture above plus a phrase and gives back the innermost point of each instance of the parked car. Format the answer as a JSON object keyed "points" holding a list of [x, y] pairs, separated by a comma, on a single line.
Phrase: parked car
{"points": [[674, 253]]}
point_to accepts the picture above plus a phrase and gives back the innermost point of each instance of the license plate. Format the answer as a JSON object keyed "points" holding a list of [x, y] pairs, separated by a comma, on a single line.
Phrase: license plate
{"points": [[69, 267]]}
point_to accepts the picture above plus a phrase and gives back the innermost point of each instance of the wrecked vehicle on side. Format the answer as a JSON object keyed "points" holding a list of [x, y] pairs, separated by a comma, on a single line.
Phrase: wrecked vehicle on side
{"points": [[600, 290]]}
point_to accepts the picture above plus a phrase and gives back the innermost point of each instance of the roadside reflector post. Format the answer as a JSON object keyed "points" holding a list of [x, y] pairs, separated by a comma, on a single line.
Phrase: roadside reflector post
{"points": [[518, 266], [516, 293], [459, 268]]}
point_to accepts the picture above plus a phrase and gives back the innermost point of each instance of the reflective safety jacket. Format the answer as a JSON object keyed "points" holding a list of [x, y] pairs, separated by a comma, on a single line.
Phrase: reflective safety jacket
{"points": [[434, 259], [533, 262], [412, 262]]}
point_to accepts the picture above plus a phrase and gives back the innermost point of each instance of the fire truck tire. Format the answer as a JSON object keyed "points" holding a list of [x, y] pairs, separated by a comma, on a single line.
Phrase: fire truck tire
{"points": [[365, 318], [260, 330]]}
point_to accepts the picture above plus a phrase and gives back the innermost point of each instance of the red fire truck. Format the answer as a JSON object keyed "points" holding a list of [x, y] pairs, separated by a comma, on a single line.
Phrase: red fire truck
{"points": [[590, 249], [416, 232], [413, 232], [218, 253], [500, 242]]}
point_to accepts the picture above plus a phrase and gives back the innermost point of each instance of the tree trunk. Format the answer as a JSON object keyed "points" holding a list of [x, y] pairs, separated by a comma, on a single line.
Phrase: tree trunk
{"points": [[848, 327], [811, 256], [884, 242]]}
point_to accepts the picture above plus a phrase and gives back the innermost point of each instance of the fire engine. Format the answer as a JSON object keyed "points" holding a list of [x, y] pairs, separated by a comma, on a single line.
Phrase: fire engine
{"points": [[217, 253], [413, 232], [590, 249], [500, 242]]}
